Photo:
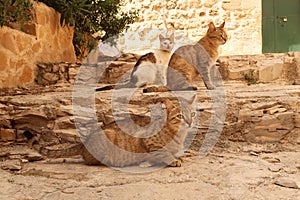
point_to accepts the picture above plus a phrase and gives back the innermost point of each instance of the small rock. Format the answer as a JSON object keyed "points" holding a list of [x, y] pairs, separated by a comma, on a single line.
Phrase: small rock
{"points": [[24, 161], [13, 165], [291, 170], [286, 182], [55, 68], [275, 168], [52, 78], [68, 191], [33, 156], [252, 153], [272, 160], [4, 154], [272, 111]]}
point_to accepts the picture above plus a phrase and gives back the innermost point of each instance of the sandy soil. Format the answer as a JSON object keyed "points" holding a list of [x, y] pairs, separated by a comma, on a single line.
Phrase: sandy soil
{"points": [[243, 171]]}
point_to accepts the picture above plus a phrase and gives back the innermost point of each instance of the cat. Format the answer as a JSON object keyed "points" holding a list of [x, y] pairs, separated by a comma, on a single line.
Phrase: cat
{"points": [[150, 68], [160, 148], [203, 55]]}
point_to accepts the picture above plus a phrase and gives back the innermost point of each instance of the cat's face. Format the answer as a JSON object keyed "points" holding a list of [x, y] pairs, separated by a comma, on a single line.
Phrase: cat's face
{"points": [[166, 43], [217, 33], [185, 112]]}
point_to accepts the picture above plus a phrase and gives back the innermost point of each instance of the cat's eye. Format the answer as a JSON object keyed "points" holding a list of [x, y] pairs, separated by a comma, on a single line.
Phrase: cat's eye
{"points": [[193, 114], [180, 116]]}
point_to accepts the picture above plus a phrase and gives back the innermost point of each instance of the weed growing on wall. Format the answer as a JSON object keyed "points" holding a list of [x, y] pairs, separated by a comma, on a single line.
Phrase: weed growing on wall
{"points": [[250, 77]]}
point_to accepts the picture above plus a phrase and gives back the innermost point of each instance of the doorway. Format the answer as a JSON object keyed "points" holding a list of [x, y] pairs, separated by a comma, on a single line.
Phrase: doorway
{"points": [[281, 26]]}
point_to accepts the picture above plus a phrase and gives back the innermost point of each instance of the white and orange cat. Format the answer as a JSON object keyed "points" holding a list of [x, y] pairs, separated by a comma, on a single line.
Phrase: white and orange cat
{"points": [[150, 68]]}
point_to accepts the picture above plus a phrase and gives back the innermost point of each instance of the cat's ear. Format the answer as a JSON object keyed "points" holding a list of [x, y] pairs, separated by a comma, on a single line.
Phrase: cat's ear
{"points": [[161, 37], [172, 37], [167, 103], [211, 27], [222, 25], [192, 99]]}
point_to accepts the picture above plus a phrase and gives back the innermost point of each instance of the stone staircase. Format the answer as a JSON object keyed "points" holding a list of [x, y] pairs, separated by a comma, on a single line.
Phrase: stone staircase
{"points": [[267, 111], [266, 68], [258, 113]]}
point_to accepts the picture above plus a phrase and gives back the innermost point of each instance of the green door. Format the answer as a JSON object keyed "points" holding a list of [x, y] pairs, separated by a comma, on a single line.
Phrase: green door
{"points": [[281, 25]]}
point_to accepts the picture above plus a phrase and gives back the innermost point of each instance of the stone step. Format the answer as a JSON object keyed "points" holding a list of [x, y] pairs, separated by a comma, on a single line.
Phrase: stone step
{"points": [[257, 113]]}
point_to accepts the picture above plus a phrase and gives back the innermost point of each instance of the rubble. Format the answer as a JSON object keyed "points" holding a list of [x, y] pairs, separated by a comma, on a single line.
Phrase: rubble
{"points": [[286, 182]]}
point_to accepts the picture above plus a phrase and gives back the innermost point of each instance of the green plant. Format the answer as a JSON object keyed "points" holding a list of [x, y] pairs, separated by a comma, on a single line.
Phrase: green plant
{"points": [[250, 76], [15, 11], [89, 17], [39, 75]]}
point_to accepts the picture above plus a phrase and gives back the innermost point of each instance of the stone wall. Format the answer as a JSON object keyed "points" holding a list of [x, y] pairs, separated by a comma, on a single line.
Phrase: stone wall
{"points": [[189, 19], [282, 68], [43, 40], [53, 73]]}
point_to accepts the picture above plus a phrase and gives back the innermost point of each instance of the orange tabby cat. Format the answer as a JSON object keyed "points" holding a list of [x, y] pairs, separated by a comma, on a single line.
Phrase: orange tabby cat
{"points": [[187, 59], [117, 148]]}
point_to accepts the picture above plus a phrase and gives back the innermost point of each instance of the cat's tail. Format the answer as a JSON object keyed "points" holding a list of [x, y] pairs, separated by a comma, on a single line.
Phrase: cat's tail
{"points": [[108, 87], [74, 150]]}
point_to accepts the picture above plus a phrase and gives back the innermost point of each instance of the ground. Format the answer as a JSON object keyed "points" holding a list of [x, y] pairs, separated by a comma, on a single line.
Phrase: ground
{"points": [[239, 171], [234, 170]]}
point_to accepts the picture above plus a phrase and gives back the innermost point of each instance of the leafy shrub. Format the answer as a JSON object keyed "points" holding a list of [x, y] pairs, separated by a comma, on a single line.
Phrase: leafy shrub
{"points": [[16, 11], [86, 16], [89, 17]]}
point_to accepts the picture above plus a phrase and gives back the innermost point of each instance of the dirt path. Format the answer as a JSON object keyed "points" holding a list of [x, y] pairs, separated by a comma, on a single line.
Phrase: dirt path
{"points": [[240, 172]]}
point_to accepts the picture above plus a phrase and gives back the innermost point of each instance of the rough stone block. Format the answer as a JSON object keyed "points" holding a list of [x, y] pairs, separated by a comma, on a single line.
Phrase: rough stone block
{"points": [[23, 42], [51, 78], [260, 135], [30, 29], [64, 123], [235, 74], [5, 123], [247, 5], [271, 72], [7, 39], [27, 75], [42, 16], [7, 134], [233, 5]]}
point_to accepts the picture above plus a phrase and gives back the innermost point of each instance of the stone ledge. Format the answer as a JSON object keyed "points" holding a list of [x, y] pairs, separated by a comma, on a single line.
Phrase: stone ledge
{"points": [[250, 118], [268, 68]]}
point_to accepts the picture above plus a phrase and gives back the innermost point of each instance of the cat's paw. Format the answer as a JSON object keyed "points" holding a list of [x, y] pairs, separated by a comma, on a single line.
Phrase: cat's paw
{"points": [[211, 87], [176, 163], [145, 164]]}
